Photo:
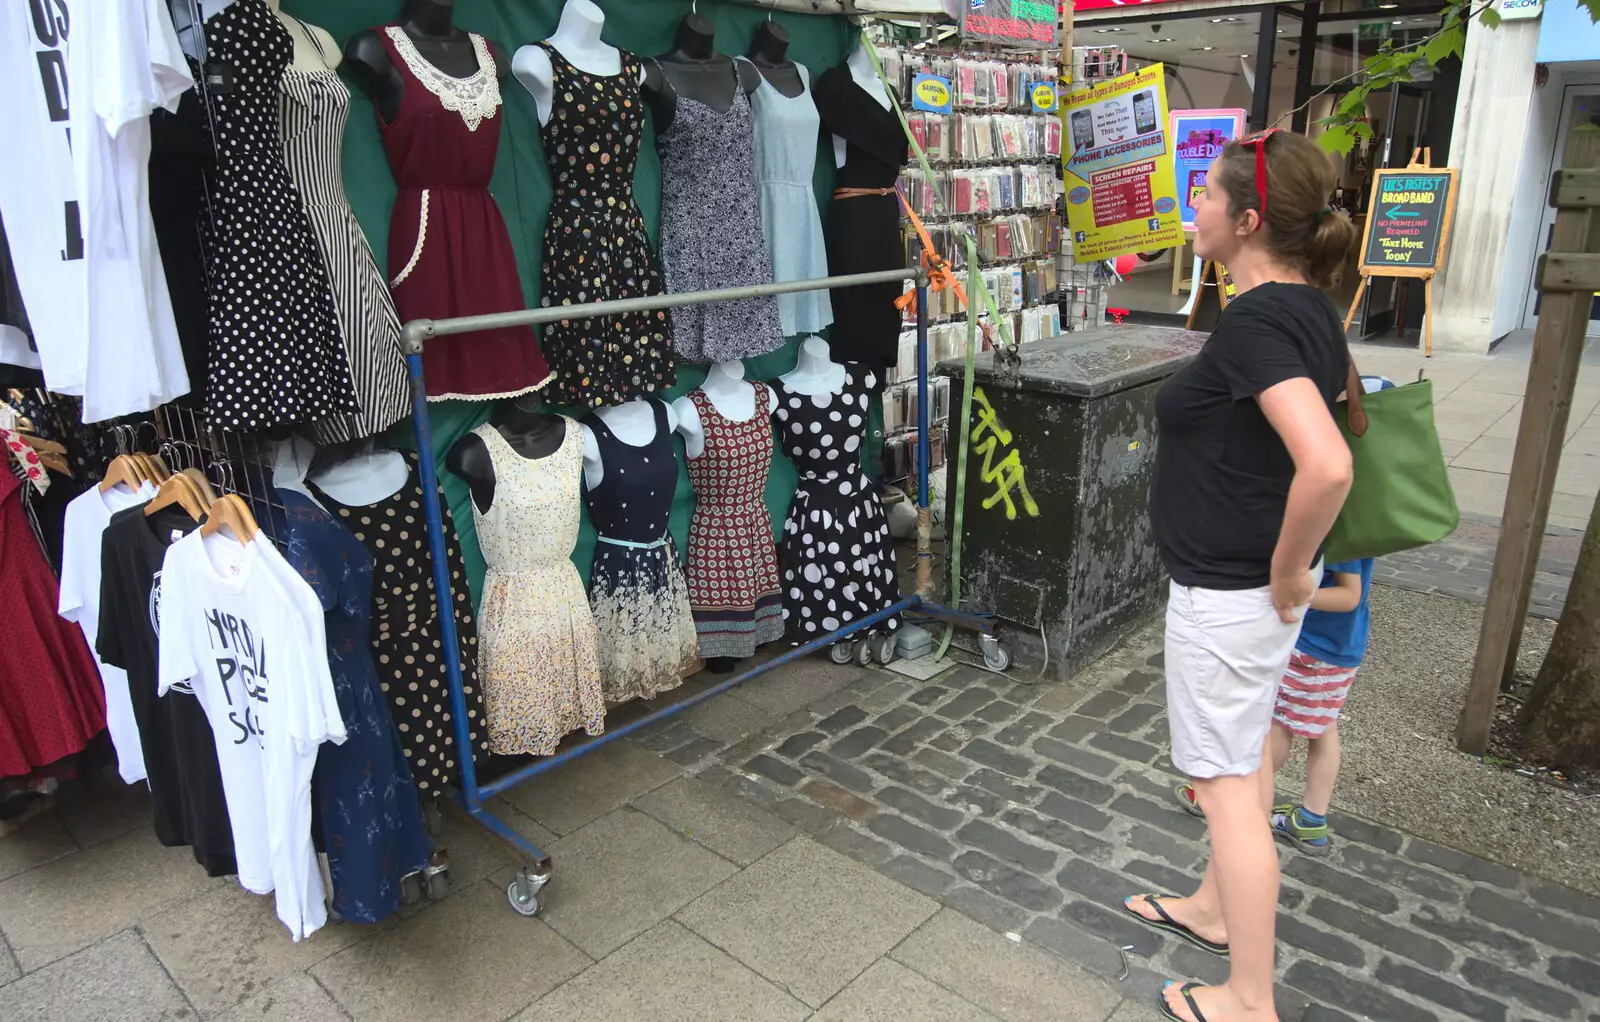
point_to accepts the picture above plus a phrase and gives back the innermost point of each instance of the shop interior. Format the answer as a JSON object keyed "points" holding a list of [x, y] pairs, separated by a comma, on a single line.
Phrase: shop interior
{"points": [[1286, 65]]}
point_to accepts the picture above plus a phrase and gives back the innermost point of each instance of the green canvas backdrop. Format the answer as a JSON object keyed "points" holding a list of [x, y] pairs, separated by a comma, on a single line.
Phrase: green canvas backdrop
{"points": [[521, 187]]}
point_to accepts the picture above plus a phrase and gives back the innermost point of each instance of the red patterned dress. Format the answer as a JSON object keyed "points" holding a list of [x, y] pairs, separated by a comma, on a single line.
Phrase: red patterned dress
{"points": [[51, 699], [733, 561]]}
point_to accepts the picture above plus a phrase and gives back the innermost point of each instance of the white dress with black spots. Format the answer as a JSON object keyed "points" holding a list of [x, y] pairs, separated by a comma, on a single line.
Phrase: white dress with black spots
{"points": [[836, 554], [276, 356]]}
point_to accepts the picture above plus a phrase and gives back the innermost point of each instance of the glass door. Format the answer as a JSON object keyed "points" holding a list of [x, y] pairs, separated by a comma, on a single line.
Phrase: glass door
{"points": [[1580, 106]]}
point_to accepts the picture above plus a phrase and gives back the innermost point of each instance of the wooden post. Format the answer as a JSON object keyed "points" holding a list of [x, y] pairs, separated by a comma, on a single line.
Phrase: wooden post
{"points": [[1427, 316], [1355, 303], [1567, 276]]}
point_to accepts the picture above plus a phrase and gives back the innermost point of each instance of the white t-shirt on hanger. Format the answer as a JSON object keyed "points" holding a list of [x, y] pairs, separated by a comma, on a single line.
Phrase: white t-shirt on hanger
{"points": [[124, 63], [248, 631], [37, 198], [86, 518]]}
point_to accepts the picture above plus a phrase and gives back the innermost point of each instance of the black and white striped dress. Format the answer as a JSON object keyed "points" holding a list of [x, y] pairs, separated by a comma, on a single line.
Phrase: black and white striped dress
{"points": [[314, 106]]}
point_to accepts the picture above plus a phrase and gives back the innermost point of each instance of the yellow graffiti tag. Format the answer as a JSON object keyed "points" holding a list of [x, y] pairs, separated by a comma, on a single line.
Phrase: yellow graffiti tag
{"points": [[1006, 474]]}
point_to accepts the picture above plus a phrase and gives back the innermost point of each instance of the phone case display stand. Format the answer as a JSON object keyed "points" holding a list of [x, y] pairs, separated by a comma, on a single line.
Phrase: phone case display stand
{"points": [[522, 892]]}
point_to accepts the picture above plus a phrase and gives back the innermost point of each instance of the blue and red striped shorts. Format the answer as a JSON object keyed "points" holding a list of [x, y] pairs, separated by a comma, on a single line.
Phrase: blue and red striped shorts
{"points": [[1311, 694]]}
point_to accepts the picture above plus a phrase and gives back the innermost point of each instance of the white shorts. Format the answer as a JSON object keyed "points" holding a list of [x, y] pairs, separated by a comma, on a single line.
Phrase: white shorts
{"points": [[1226, 653]]}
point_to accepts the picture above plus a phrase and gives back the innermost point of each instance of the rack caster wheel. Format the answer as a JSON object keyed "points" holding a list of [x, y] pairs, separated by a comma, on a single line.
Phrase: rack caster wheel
{"points": [[432, 819], [884, 648], [841, 652], [995, 656], [523, 892], [863, 652], [436, 874], [411, 888]]}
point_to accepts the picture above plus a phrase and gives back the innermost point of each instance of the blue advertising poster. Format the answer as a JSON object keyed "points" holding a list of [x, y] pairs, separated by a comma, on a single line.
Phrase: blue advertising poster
{"points": [[1197, 138]]}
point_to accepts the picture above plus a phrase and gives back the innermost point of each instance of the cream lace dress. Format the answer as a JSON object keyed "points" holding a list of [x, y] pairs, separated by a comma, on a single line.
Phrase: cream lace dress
{"points": [[537, 659]]}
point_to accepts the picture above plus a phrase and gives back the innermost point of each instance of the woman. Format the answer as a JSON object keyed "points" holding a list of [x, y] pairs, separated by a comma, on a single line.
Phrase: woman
{"points": [[1250, 473]]}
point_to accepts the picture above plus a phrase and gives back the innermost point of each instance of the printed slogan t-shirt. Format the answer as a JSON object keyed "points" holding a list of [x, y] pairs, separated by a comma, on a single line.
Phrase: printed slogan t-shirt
{"points": [[248, 636]]}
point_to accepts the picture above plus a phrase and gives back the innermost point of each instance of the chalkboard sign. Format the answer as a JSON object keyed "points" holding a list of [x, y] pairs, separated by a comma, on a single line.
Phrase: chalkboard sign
{"points": [[1408, 221]]}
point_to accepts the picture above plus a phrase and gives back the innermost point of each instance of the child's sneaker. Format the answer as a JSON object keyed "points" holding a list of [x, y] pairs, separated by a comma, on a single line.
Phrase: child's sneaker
{"points": [[1186, 798], [1304, 828]]}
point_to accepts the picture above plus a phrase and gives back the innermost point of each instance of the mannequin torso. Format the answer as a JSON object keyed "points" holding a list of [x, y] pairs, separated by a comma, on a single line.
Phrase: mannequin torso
{"points": [[633, 423], [533, 434], [577, 38], [861, 69], [769, 52], [364, 479], [694, 70], [815, 371], [728, 392], [314, 48], [427, 23]]}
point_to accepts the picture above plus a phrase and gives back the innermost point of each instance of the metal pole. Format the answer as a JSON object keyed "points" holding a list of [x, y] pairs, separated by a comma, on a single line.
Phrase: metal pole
{"points": [[924, 517], [1306, 68], [441, 573], [1266, 43], [419, 330]]}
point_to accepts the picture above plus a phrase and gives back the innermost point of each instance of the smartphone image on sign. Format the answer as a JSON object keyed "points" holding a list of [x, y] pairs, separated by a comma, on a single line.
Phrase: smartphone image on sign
{"points": [[1082, 130], [1144, 113]]}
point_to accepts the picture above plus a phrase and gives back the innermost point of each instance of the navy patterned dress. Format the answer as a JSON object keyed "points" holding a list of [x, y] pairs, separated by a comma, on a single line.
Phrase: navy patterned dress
{"points": [[367, 804]]}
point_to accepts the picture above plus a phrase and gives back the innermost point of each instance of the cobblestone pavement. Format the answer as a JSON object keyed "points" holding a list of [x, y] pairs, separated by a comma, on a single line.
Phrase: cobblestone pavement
{"points": [[1036, 809], [1461, 564]]}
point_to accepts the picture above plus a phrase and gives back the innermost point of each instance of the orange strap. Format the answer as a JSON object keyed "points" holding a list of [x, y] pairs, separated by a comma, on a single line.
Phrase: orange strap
{"points": [[940, 275]]}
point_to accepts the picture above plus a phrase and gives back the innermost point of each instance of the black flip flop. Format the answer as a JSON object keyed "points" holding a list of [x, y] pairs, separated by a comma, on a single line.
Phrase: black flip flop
{"points": [[1170, 925], [1194, 1009]]}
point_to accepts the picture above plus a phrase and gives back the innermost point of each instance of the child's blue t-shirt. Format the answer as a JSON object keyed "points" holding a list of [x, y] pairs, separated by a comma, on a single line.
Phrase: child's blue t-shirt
{"points": [[1339, 637]]}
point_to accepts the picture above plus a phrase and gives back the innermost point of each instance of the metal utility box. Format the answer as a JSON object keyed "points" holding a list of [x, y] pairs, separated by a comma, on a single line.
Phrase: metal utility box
{"points": [[1060, 453]]}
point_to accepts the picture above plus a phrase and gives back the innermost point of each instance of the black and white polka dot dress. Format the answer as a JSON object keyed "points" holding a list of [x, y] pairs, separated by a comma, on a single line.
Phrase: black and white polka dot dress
{"points": [[407, 637], [276, 356], [836, 554]]}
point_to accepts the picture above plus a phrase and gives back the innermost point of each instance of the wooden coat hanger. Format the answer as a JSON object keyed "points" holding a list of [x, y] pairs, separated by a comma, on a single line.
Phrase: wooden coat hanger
{"points": [[122, 470], [178, 490], [231, 512], [202, 485]]}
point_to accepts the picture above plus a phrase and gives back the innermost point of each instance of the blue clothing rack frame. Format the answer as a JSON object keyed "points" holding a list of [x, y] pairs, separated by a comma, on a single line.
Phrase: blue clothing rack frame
{"points": [[470, 795]]}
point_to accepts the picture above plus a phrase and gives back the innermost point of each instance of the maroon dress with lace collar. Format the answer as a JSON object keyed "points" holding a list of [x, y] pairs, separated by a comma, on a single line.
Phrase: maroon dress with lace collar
{"points": [[449, 252]]}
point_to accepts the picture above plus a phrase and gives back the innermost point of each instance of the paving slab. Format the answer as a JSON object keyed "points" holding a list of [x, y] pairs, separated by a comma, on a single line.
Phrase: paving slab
{"points": [[105, 810], [34, 843], [718, 819], [466, 957], [294, 998], [621, 875], [727, 718], [666, 974], [69, 903], [228, 944], [586, 789], [1137, 1011], [800, 683], [116, 980], [1012, 979], [890, 992], [808, 918]]}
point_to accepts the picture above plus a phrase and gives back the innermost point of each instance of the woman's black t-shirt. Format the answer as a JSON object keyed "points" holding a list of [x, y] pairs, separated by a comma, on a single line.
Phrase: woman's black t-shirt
{"points": [[1222, 473]]}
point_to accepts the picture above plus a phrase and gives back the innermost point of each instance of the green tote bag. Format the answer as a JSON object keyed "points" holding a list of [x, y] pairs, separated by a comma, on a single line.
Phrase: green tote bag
{"points": [[1401, 496]]}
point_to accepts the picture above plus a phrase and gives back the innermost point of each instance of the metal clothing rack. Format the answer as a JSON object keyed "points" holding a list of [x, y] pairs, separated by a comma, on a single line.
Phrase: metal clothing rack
{"points": [[523, 890]]}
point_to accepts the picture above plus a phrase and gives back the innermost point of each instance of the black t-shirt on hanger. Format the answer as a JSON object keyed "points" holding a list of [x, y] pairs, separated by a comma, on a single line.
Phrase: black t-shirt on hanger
{"points": [[180, 751], [1222, 473]]}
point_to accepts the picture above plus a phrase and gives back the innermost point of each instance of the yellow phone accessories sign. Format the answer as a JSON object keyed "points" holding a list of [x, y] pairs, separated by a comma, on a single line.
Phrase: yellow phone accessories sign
{"points": [[1122, 196]]}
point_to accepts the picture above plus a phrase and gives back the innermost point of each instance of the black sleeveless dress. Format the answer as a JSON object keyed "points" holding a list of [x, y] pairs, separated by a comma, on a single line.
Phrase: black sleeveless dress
{"points": [[637, 590], [275, 352], [595, 246]]}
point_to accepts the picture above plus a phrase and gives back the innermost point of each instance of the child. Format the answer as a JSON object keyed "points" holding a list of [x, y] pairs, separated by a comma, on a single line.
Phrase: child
{"points": [[1332, 644]]}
